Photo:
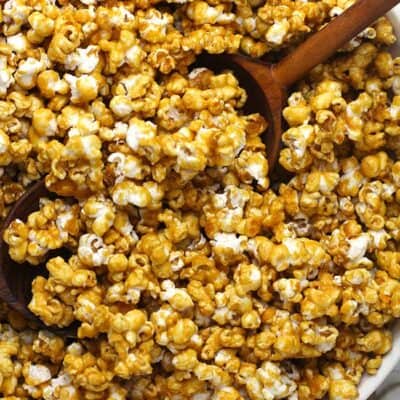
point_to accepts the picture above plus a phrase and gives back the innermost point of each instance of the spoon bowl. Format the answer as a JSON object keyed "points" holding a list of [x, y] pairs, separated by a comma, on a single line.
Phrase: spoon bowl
{"points": [[16, 279], [264, 94]]}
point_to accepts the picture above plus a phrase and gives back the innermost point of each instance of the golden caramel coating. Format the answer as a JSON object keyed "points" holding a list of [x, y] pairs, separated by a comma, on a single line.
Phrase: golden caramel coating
{"points": [[190, 274]]}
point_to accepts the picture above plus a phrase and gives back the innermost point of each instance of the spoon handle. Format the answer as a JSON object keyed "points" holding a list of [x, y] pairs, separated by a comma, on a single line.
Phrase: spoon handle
{"points": [[323, 44]]}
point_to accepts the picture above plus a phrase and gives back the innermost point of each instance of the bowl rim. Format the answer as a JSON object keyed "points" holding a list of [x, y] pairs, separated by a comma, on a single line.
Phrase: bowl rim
{"points": [[370, 383]]}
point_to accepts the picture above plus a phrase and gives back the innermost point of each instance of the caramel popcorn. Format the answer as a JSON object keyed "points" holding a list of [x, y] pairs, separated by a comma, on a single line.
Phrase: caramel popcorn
{"points": [[188, 273]]}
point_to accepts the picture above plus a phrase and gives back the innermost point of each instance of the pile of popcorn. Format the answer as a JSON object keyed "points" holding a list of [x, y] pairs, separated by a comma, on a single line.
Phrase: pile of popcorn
{"points": [[191, 275]]}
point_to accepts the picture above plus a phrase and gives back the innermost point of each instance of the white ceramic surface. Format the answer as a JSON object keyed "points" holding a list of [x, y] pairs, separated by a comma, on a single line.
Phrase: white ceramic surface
{"points": [[390, 389], [370, 384]]}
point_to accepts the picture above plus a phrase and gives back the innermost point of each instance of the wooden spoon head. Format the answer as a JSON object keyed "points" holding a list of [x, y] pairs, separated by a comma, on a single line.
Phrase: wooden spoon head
{"points": [[264, 95], [16, 279]]}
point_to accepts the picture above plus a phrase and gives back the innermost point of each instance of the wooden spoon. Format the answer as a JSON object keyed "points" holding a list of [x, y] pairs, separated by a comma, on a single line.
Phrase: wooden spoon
{"points": [[266, 86]]}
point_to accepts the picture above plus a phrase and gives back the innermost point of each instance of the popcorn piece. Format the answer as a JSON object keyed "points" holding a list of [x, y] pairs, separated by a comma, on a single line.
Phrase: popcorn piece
{"points": [[83, 60], [77, 170], [49, 309], [36, 374], [269, 383], [92, 251], [29, 69], [6, 76], [83, 89], [179, 299]]}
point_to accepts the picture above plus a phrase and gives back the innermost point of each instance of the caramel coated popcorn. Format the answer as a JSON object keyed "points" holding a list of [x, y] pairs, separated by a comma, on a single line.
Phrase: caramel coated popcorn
{"points": [[188, 273]]}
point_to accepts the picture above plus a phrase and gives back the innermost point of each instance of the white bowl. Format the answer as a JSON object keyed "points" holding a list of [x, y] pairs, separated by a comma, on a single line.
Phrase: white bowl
{"points": [[369, 384]]}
